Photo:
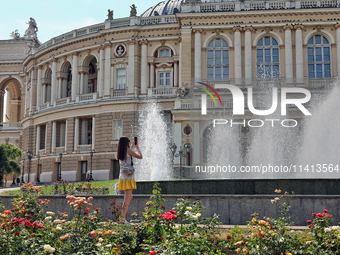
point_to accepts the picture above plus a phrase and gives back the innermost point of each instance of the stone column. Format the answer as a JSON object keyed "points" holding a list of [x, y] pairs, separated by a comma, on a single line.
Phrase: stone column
{"points": [[26, 96], [248, 56], [81, 83], [44, 93], [101, 71], [131, 68], [83, 131], [8, 105], [86, 82], [76, 133], [62, 135], [31, 90], [93, 132], [198, 55], [238, 55], [75, 81], [180, 62], [37, 144], [2, 101], [107, 83], [299, 54], [54, 81], [152, 75], [175, 74], [197, 144], [337, 27], [60, 84], [46, 128], [54, 136], [66, 131], [144, 67], [289, 54], [39, 87]]}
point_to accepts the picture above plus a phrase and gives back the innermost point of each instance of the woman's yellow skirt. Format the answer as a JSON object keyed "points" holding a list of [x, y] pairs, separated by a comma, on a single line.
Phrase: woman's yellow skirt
{"points": [[127, 184]]}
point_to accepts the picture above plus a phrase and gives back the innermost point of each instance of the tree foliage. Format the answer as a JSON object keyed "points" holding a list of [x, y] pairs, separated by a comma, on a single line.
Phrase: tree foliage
{"points": [[9, 155]]}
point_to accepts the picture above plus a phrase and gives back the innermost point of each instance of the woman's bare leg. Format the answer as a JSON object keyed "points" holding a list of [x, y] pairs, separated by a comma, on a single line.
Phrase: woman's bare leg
{"points": [[127, 199]]}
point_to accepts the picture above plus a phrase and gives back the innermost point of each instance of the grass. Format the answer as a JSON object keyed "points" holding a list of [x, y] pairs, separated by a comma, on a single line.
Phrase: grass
{"points": [[49, 189]]}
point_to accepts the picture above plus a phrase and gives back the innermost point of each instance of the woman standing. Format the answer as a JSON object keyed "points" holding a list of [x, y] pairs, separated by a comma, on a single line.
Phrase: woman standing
{"points": [[126, 182]]}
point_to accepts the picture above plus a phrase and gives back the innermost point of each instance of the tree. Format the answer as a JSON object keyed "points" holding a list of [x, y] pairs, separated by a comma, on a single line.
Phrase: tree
{"points": [[9, 155]]}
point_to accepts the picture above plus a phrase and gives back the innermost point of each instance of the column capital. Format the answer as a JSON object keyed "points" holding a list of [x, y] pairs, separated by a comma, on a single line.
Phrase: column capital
{"points": [[282, 46], [131, 42], [333, 45], [144, 42], [247, 29], [107, 45], [197, 31], [297, 27], [179, 40], [237, 29], [55, 60], [40, 67], [337, 26], [75, 54], [288, 27], [231, 48], [253, 47]]}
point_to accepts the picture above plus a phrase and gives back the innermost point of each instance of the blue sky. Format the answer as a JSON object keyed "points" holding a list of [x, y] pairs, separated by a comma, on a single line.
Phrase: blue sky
{"points": [[58, 17]]}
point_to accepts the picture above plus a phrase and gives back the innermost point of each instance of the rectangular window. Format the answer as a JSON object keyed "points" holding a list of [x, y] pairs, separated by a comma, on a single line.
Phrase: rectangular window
{"points": [[117, 129], [164, 79], [121, 79], [311, 71]]}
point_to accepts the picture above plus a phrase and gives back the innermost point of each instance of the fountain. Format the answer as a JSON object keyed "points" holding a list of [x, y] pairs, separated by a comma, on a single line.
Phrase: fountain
{"points": [[154, 143]]}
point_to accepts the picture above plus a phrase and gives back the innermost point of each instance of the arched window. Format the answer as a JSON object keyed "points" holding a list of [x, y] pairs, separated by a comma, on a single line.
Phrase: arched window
{"points": [[319, 58], [218, 60], [267, 58]]}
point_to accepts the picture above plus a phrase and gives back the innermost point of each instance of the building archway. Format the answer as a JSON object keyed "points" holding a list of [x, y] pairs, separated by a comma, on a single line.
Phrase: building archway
{"points": [[11, 93], [89, 75]]}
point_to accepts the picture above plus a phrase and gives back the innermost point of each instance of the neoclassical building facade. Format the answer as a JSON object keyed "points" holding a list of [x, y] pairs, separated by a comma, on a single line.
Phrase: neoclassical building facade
{"points": [[82, 90]]}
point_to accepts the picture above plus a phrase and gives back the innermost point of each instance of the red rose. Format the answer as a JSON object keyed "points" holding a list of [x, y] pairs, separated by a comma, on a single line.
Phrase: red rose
{"points": [[152, 252], [94, 236], [16, 233], [325, 210], [309, 221], [314, 214]]}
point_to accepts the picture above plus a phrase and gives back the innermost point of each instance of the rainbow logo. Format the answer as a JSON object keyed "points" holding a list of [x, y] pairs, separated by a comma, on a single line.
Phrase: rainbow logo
{"points": [[204, 97]]}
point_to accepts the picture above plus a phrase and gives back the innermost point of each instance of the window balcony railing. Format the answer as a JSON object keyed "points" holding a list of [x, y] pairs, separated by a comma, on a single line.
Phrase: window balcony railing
{"points": [[11, 125], [63, 101], [320, 83], [162, 92], [84, 148], [44, 106], [59, 150], [87, 97], [118, 92]]}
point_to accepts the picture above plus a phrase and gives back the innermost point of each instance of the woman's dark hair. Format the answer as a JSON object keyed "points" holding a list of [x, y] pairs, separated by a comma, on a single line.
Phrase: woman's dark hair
{"points": [[122, 148]]}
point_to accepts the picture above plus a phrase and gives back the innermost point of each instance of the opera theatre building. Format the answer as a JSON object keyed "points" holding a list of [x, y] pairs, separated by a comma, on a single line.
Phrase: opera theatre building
{"points": [[80, 91]]}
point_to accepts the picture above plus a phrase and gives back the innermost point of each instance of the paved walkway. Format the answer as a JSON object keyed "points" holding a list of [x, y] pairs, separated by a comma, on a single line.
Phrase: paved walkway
{"points": [[8, 189]]}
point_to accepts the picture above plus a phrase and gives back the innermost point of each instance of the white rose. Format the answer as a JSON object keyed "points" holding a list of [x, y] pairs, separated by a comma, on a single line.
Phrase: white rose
{"points": [[189, 208], [108, 245], [101, 239], [98, 244], [335, 227], [196, 235], [50, 213], [48, 218], [328, 230], [198, 214], [57, 221]]}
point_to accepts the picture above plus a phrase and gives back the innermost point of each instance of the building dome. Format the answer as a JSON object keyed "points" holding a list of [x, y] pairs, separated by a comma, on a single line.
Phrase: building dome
{"points": [[163, 8]]}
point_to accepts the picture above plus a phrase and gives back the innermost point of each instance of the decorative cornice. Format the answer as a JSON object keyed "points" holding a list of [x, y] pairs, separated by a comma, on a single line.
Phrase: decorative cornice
{"points": [[163, 65], [217, 31]]}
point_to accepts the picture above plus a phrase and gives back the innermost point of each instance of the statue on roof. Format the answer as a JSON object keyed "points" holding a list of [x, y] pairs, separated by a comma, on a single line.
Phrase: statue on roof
{"points": [[15, 34], [32, 28], [110, 14], [133, 12]]}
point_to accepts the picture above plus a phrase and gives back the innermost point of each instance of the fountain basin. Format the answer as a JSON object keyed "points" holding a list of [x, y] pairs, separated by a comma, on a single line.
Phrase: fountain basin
{"points": [[243, 186]]}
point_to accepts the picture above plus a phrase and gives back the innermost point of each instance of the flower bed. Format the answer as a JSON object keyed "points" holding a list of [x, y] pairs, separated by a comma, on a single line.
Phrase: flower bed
{"points": [[29, 229]]}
